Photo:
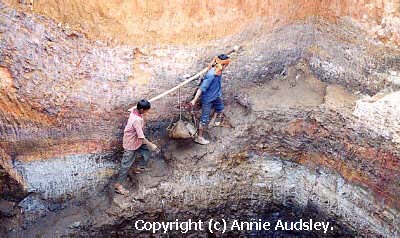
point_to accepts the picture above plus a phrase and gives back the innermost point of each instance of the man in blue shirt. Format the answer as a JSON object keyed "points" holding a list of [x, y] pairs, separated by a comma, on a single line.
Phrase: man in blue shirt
{"points": [[210, 91]]}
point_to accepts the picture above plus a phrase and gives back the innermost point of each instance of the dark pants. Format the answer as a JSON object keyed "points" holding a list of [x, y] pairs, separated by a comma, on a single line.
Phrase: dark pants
{"points": [[129, 157]]}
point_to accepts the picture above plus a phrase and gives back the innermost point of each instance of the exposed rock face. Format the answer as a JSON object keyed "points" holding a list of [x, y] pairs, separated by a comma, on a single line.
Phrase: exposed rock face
{"points": [[381, 113], [159, 22], [381, 19], [306, 123], [12, 184], [237, 178]]}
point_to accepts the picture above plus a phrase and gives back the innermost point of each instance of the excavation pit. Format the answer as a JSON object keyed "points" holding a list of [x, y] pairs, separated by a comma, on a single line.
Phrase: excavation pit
{"points": [[310, 127]]}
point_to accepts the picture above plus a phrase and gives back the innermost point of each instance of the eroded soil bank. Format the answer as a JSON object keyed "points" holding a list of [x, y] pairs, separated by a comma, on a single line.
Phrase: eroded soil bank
{"points": [[311, 130]]}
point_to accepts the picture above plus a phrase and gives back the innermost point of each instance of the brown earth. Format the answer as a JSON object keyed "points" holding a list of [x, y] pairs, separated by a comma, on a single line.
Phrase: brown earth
{"points": [[290, 93], [188, 22]]}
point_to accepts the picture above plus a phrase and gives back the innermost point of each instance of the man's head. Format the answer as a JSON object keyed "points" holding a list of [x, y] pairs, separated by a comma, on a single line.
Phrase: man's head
{"points": [[143, 106], [221, 62]]}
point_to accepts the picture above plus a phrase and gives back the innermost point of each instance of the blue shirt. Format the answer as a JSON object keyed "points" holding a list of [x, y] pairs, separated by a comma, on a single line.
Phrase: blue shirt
{"points": [[211, 87]]}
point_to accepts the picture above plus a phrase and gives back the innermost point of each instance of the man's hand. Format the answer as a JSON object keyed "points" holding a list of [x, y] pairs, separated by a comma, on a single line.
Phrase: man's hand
{"points": [[210, 65], [196, 97], [154, 148]]}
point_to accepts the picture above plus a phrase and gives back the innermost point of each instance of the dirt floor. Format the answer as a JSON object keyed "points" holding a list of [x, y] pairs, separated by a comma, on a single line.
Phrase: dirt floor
{"points": [[291, 88]]}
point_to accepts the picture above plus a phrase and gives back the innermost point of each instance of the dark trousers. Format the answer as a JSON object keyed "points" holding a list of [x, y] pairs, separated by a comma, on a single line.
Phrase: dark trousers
{"points": [[129, 157]]}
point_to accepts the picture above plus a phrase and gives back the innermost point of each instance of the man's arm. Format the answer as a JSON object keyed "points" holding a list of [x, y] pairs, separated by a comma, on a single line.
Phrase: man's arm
{"points": [[144, 140], [196, 97], [152, 146], [203, 87]]}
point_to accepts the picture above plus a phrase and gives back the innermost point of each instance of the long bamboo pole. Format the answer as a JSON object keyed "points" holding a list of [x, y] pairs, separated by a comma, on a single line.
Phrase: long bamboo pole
{"points": [[235, 49]]}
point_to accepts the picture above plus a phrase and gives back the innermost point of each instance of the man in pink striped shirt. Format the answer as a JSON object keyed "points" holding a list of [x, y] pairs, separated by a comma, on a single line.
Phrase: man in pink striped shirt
{"points": [[135, 144]]}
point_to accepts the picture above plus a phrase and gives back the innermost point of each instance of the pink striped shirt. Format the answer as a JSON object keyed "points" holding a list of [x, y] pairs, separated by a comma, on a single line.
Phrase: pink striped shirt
{"points": [[133, 132]]}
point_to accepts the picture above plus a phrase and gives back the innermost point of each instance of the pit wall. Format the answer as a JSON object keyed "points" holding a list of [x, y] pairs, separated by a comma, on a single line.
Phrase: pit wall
{"points": [[194, 190], [69, 176], [13, 185], [189, 22], [381, 19], [166, 22], [50, 115], [82, 108]]}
